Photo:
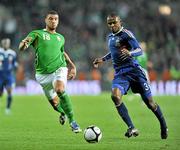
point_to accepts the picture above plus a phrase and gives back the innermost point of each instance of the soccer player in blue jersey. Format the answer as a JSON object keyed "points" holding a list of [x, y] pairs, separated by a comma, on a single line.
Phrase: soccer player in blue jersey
{"points": [[123, 47], [8, 64]]}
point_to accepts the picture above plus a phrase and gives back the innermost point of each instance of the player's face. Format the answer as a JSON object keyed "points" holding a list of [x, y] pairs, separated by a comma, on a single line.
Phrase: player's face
{"points": [[52, 21], [114, 24], [6, 43]]}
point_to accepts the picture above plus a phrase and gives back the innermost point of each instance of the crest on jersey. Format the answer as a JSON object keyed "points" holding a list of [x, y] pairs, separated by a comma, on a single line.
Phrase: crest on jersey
{"points": [[58, 38], [117, 42]]}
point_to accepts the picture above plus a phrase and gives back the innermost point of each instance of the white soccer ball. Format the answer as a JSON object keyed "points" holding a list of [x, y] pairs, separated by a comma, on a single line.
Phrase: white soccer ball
{"points": [[92, 134]]}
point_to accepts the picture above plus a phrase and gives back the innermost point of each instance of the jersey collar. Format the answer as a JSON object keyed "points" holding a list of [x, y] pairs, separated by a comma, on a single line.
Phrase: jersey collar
{"points": [[118, 31], [47, 31]]}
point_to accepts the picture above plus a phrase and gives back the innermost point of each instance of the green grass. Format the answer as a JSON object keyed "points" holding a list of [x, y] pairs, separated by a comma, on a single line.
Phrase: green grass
{"points": [[33, 124]]}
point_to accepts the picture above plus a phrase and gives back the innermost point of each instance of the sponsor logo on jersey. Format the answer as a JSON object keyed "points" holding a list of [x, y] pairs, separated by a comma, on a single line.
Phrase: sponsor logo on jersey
{"points": [[58, 38]]}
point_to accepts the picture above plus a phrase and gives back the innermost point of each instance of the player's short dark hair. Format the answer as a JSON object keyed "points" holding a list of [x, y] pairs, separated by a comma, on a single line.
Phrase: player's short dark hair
{"points": [[52, 12], [113, 14]]}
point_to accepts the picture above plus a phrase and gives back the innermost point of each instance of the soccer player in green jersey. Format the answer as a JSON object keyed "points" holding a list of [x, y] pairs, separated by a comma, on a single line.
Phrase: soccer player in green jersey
{"points": [[51, 67]]}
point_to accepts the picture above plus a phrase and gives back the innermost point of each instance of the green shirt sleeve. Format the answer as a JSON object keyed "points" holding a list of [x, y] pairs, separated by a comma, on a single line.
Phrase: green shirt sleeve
{"points": [[143, 59], [32, 36]]}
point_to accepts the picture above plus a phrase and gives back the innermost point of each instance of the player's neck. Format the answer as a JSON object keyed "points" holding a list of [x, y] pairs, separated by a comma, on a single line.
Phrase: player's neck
{"points": [[121, 28], [51, 30]]}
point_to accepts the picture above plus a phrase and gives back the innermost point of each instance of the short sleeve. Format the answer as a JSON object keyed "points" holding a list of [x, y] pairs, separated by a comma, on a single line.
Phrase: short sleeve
{"points": [[32, 36]]}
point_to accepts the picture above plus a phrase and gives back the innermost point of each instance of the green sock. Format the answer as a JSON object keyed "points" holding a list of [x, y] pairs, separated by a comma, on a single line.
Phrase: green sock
{"points": [[60, 109], [66, 105]]}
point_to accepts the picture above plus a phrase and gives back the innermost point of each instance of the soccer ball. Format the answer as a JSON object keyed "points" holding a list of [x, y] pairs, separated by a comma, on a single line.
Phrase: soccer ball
{"points": [[92, 134]]}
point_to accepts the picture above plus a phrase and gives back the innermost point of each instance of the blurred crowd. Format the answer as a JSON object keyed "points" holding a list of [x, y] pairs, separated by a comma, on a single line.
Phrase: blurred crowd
{"points": [[83, 23]]}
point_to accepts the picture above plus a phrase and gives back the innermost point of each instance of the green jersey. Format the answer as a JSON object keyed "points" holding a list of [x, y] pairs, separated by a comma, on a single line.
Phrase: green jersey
{"points": [[49, 50], [143, 59]]}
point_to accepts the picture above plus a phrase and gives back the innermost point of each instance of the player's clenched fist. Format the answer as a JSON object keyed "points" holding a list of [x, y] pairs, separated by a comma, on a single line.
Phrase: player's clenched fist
{"points": [[97, 61]]}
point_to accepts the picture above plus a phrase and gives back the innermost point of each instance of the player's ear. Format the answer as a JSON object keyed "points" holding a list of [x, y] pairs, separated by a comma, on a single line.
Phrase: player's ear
{"points": [[45, 20]]}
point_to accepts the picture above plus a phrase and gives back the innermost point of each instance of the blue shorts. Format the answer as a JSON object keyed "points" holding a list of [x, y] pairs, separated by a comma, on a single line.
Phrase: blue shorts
{"points": [[6, 81], [132, 77]]}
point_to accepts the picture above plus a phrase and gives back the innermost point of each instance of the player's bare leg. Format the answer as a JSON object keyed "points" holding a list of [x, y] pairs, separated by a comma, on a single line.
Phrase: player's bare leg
{"points": [[123, 112]]}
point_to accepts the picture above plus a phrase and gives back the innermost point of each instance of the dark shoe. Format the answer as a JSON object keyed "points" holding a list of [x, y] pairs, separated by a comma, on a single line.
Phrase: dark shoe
{"points": [[164, 133], [132, 132], [62, 119]]}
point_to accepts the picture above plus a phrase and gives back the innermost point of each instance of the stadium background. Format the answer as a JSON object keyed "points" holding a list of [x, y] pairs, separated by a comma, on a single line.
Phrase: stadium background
{"points": [[83, 23], [34, 125]]}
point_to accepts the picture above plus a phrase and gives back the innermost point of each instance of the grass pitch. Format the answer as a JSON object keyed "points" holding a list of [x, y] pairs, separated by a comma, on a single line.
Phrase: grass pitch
{"points": [[33, 124]]}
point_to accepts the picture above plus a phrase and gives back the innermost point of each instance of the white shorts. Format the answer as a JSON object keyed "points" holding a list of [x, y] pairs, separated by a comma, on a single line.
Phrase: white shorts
{"points": [[47, 81]]}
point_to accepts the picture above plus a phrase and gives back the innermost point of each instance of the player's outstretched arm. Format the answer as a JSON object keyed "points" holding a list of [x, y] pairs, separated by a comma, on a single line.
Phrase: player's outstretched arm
{"points": [[71, 67], [98, 61]]}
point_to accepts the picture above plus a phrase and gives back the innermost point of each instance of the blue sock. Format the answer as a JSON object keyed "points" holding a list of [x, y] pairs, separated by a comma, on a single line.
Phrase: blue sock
{"points": [[123, 112], [160, 117], [9, 100]]}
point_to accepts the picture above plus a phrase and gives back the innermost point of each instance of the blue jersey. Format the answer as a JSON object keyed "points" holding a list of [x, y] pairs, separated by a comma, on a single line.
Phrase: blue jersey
{"points": [[8, 60], [128, 73], [123, 38], [8, 63]]}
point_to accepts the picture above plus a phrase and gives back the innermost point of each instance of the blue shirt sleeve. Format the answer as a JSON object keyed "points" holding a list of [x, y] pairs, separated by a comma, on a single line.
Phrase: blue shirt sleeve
{"points": [[135, 48], [106, 57]]}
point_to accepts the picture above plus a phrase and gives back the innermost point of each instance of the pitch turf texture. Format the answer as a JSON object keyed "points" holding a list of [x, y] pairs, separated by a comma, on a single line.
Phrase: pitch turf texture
{"points": [[33, 124]]}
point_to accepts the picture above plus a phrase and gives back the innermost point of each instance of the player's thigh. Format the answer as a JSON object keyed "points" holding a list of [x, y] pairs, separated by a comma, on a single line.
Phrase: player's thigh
{"points": [[146, 74], [60, 79], [120, 82], [46, 82], [140, 84]]}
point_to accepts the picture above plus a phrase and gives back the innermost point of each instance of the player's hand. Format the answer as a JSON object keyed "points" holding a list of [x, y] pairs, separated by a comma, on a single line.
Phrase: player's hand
{"points": [[125, 54], [97, 61], [71, 73]]}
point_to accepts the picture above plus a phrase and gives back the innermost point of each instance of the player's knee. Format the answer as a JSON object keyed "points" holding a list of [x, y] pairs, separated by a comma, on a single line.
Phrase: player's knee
{"points": [[116, 99], [54, 103], [152, 105], [59, 87]]}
